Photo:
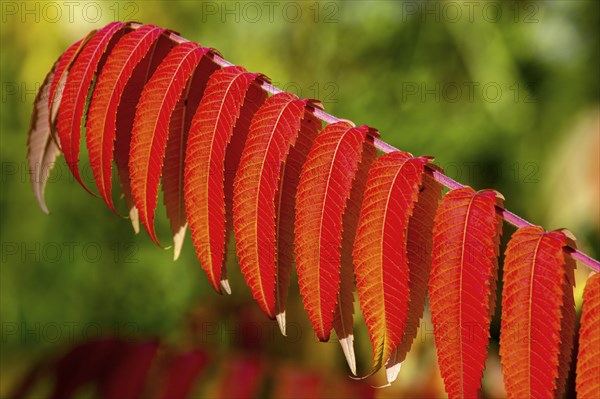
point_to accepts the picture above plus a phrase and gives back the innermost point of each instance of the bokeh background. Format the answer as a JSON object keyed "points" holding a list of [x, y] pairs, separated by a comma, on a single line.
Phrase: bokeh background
{"points": [[503, 94]]}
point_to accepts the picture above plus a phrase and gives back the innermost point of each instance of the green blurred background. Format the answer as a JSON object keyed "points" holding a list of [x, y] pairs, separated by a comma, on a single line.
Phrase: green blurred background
{"points": [[503, 94]]}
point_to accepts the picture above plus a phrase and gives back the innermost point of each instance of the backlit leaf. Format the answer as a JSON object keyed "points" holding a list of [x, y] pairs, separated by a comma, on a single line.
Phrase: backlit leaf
{"points": [[71, 110], [215, 126], [323, 193], [273, 131], [462, 286], [536, 280]]}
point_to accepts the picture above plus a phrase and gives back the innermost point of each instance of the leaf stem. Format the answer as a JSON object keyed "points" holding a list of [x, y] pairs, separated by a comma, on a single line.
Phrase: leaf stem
{"points": [[452, 184]]}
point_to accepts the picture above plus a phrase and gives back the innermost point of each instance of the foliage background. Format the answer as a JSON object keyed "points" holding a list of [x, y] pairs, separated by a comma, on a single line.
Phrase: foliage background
{"points": [[406, 68]]}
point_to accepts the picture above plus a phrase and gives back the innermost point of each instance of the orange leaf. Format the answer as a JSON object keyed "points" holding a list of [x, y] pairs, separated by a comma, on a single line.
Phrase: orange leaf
{"points": [[536, 280], [462, 286], [380, 251]]}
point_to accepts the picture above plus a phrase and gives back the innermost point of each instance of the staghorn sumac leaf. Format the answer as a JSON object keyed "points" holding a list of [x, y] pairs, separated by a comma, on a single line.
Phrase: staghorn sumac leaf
{"points": [[41, 149], [324, 189], [273, 131], [101, 121], [74, 98], [174, 163], [286, 212], [419, 245], [380, 250], [151, 127], [216, 133], [536, 280], [462, 285], [343, 317], [126, 116], [588, 359]]}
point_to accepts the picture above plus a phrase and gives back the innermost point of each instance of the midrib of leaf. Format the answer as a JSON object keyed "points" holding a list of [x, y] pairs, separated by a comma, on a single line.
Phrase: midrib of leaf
{"points": [[462, 261], [212, 142], [533, 265], [387, 201], [182, 148], [337, 147]]}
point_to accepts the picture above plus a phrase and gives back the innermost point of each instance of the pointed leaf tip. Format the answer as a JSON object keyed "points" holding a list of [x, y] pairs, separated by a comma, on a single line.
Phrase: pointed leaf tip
{"points": [[281, 322], [226, 286], [347, 345]]}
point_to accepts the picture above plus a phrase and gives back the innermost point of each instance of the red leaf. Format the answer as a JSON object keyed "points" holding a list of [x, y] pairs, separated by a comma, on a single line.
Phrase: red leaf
{"points": [[126, 115], [588, 359], [151, 127], [212, 131], [535, 278], [102, 115], [286, 212], [324, 189], [182, 373], [255, 98], [173, 169], [273, 131], [419, 246], [343, 317], [462, 285], [79, 80]]}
